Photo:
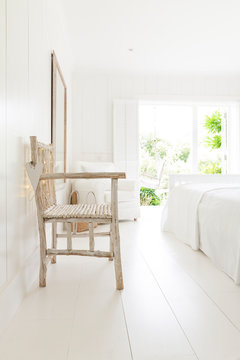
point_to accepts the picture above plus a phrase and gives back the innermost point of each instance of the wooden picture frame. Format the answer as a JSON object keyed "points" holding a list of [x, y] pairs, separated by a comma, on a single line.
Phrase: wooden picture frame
{"points": [[56, 72]]}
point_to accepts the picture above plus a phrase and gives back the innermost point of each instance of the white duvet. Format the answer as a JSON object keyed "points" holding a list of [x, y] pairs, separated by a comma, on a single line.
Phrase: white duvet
{"points": [[207, 217]]}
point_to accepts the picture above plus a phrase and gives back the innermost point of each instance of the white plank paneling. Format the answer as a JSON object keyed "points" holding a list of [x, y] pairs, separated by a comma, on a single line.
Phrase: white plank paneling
{"points": [[125, 136], [17, 123], [2, 143], [132, 138], [119, 135], [39, 73], [29, 31]]}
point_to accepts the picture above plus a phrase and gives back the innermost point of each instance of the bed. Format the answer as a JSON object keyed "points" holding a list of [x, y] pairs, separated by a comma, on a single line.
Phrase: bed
{"points": [[203, 211]]}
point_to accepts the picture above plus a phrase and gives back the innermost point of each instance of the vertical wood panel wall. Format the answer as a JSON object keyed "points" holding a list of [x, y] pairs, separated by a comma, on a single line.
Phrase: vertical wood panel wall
{"points": [[3, 202], [125, 136], [29, 31]]}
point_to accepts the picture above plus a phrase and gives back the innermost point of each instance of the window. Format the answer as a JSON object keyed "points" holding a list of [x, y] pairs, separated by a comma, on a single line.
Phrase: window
{"points": [[190, 137], [165, 135]]}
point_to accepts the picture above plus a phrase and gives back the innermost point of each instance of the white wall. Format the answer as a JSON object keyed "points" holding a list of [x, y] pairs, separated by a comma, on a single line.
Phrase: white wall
{"points": [[29, 31], [94, 93]]}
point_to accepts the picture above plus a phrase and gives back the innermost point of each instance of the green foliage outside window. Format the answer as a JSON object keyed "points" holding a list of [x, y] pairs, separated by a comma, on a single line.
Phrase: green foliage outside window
{"points": [[148, 197], [210, 167], [153, 151], [182, 153], [154, 146], [213, 124], [213, 141]]}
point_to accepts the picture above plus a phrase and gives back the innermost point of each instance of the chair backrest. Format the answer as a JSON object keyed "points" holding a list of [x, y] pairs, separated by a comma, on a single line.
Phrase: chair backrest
{"points": [[44, 154]]}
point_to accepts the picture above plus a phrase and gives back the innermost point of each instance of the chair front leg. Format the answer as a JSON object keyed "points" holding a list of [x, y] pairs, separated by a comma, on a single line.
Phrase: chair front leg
{"points": [[115, 234], [117, 257], [43, 256]]}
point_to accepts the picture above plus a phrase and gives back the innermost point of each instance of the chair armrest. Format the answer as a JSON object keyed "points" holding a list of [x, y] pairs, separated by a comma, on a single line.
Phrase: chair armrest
{"points": [[84, 175]]}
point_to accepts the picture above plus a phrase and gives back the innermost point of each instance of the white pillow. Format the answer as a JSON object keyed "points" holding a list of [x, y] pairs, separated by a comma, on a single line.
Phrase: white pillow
{"points": [[87, 186]]}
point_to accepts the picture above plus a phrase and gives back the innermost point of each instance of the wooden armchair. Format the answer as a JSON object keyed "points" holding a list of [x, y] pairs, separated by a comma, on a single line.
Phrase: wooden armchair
{"points": [[41, 173]]}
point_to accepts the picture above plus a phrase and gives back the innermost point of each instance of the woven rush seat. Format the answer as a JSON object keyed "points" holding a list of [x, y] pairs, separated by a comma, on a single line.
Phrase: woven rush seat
{"points": [[80, 210]]}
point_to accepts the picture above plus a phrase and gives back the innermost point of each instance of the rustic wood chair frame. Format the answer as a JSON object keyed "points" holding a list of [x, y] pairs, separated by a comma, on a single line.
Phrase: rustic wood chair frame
{"points": [[42, 176]]}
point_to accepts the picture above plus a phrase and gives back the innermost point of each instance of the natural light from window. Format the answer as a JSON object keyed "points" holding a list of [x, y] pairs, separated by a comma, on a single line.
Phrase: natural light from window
{"points": [[181, 138]]}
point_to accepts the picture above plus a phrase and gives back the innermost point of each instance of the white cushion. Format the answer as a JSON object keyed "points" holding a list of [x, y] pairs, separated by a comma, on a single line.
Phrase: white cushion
{"points": [[122, 196], [87, 166], [128, 185], [127, 189]]}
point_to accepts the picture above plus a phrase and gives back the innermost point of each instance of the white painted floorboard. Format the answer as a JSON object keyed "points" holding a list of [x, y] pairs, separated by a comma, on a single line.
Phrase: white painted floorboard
{"points": [[176, 305]]}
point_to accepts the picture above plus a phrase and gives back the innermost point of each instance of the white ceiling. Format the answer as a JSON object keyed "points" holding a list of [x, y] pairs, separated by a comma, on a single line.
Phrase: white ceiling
{"points": [[165, 35]]}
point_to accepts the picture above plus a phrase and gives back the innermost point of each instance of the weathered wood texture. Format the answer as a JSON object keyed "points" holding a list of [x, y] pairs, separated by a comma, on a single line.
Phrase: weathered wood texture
{"points": [[43, 155], [85, 175], [49, 211], [78, 219], [115, 235], [56, 69], [96, 253], [69, 237], [80, 235], [54, 240], [91, 237]]}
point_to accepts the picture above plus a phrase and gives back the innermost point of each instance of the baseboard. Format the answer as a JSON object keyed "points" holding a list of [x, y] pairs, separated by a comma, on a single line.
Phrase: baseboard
{"points": [[11, 296]]}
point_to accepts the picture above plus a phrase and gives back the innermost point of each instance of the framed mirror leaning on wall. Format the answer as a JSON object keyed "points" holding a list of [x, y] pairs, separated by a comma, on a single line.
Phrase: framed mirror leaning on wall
{"points": [[58, 115]]}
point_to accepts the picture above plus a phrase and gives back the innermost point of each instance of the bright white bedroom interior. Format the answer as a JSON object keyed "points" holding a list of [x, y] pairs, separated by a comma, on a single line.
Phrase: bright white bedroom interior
{"points": [[116, 57]]}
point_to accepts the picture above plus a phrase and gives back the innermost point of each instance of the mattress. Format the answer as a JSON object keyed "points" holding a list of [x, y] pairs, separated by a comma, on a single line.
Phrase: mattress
{"points": [[207, 217]]}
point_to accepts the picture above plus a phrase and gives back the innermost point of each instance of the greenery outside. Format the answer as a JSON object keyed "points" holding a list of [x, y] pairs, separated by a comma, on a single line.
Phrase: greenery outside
{"points": [[213, 141], [149, 197], [153, 151]]}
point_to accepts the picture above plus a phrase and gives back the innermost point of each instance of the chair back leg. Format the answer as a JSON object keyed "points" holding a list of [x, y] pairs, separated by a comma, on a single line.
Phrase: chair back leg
{"points": [[91, 237], [54, 241], [69, 236], [111, 245]]}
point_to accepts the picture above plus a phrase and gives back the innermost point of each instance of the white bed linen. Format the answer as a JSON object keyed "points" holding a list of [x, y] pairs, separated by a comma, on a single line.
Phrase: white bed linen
{"points": [[207, 216]]}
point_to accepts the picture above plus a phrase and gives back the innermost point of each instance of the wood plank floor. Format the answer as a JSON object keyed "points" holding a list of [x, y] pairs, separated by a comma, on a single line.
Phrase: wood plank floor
{"points": [[176, 305]]}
